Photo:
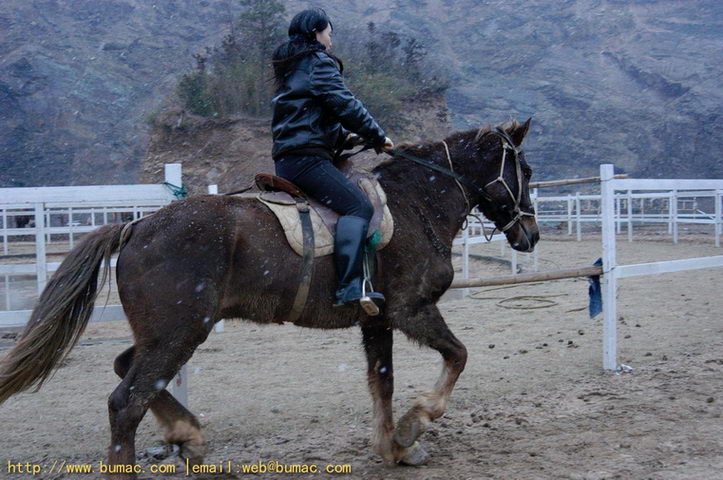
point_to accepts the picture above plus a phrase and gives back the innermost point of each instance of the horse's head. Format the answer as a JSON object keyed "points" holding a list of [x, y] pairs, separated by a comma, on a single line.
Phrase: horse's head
{"points": [[504, 177]]}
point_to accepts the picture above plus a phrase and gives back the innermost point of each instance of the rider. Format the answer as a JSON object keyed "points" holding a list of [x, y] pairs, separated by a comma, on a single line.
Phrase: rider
{"points": [[314, 114]]}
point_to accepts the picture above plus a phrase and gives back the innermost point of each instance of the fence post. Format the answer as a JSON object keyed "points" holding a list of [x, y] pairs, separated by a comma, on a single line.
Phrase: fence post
{"points": [[607, 192], [569, 215], [5, 231], [577, 216], [173, 174], [718, 219], [618, 215], [70, 226], [465, 258], [674, 208], [220, 326], [40, 267], [630, 215]]}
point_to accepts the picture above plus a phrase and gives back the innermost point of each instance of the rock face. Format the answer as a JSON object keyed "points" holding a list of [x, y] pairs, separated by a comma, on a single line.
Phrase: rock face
{"points": [[632, 82], [78, 79], [230, 152]]}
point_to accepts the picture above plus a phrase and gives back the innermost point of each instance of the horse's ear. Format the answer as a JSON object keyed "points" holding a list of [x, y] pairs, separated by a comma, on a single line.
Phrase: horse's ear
{"points": [[518, 132]]}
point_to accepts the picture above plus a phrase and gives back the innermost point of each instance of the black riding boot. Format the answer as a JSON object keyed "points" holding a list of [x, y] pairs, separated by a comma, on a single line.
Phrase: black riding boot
{"points": [[351, 233]]}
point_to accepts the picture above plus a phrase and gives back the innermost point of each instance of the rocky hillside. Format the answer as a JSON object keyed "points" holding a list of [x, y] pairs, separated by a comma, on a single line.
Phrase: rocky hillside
{"points": [[79, 78], [230, 152], [633, 82]]}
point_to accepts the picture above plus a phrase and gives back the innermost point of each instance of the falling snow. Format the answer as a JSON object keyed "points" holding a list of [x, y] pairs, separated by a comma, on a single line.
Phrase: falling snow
{"points": [[161, 384]]}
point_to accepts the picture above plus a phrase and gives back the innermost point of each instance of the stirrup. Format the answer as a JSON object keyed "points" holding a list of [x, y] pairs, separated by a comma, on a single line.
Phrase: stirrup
{"points": [[367, 302]]}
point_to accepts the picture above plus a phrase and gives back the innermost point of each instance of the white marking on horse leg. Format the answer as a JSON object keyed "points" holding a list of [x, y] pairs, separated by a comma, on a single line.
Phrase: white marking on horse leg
{"points": [[383, 422], [428, 406]]}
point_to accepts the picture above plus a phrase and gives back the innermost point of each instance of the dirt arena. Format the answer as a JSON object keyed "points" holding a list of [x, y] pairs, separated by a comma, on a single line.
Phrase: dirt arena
{"points": [[533, 402]]}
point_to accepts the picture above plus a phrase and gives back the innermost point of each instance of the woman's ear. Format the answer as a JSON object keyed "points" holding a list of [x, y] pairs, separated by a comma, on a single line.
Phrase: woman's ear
{"points": [[518, 132]]}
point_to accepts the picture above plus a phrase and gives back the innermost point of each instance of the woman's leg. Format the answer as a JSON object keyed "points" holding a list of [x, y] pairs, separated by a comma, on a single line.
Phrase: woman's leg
{"points": [[320, 179]]}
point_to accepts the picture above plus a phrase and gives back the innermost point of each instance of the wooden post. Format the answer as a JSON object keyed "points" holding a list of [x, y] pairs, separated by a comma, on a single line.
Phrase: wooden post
{"points": [[5, 231], [674, 207], [607, 191], [70, 227], [7, 292], [569, 215], [718, 217], [173, 174], [220, 327], [465, 259], [630, 215], [618, 216], [40, 267], [577, 216]]}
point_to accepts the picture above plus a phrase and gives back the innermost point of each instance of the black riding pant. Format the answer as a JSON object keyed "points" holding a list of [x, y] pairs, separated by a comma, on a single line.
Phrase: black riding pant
{"points": [[320, 179]]}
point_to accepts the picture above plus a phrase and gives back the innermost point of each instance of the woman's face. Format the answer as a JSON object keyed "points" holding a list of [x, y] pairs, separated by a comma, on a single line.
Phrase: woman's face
{"points": [[324, 37]]}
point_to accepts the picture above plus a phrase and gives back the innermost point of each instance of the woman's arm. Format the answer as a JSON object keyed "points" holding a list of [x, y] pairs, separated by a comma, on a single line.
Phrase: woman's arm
{"points": [[328, 85]]}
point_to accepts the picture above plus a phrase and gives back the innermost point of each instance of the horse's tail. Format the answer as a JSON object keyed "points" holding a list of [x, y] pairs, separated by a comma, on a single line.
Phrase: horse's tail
{"points": [[61, 315]]}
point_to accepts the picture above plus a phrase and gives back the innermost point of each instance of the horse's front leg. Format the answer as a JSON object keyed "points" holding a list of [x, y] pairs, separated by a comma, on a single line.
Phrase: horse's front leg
{"points": [[427, 327], [380, 375]]}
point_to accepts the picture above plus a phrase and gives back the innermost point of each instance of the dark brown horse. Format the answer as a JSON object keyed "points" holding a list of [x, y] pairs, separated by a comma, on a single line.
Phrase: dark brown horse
{"points": [[212, 256]]}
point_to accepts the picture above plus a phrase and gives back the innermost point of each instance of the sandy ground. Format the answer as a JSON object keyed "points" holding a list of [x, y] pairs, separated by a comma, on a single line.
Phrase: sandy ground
{"points": [[532, 403]]}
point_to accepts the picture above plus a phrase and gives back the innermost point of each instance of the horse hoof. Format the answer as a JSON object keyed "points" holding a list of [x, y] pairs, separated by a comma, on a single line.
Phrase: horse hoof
{"points": [[162, 452], [193, 452], [406, 433], [415, 455]]}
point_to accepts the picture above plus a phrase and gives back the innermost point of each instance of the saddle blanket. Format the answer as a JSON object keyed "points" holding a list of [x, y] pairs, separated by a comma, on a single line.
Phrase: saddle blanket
{"points": [[284, 207]]}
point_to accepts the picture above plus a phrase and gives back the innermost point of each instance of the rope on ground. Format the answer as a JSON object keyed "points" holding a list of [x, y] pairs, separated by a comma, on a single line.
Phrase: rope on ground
{"points": [[542, 301]]}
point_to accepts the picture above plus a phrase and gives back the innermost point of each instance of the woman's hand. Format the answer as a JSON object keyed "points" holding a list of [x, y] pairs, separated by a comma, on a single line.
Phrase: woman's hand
{"points": [[388, 145], [352, 140]]}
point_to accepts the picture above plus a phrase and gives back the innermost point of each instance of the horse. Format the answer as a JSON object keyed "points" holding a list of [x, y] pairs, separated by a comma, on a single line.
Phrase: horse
{"points": [[208, 257]]}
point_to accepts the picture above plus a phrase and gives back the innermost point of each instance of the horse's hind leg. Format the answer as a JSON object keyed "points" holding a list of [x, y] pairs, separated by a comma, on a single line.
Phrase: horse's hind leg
{"points": [[150, 371], [428, 328], [179, 425]]}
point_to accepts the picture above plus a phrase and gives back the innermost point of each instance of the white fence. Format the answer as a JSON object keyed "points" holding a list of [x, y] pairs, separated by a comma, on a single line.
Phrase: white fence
{"points": [[674, 207], [612, 271], [57, 212], [98, 204]]}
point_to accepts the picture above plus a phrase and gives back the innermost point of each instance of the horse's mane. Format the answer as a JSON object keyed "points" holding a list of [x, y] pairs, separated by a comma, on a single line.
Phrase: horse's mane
{"points": [[423, 149]]}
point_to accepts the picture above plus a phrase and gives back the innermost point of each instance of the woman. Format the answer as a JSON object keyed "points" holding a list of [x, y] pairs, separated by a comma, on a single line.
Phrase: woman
{"points": [[314, 114]]}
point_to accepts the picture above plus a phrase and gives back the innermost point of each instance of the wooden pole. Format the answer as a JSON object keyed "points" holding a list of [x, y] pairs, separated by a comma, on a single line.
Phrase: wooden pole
{"points": [[573, 181], [528, 277]]}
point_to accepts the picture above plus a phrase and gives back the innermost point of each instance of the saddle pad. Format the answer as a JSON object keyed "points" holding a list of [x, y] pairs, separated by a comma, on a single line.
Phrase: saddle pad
{"points": [[288, 217]]}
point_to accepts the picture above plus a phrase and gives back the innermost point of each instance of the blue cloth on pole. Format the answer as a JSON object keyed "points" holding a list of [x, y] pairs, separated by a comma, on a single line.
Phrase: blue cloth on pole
{"points": [[595, 292]]}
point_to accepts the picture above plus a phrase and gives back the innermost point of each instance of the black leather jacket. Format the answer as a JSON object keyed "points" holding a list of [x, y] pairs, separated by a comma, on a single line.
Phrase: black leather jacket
{"points": [[314, 109]]}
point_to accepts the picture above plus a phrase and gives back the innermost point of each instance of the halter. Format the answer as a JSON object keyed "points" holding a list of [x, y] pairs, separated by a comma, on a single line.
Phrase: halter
{"points": [[507, 144], [517, 211]]}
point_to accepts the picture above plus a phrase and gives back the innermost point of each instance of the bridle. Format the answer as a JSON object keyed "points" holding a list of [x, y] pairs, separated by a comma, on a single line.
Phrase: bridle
{"points": [[507, 145]]}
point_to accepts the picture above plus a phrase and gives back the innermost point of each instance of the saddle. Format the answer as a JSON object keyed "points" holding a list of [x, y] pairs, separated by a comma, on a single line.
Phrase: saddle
{"points": [[282, 197]]}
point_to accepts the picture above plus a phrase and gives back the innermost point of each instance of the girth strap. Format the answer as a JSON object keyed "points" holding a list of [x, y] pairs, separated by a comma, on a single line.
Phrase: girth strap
{"points": [[307, 261]]}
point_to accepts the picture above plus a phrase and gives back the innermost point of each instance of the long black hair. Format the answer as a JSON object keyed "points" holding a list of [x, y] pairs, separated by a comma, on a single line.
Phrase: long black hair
{"points": [[302, 41]]}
